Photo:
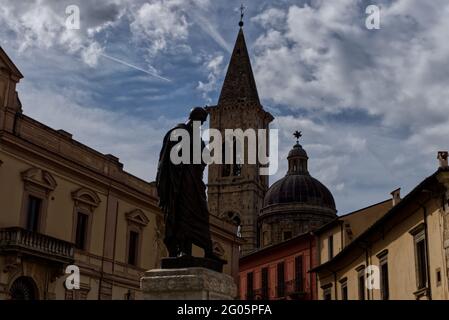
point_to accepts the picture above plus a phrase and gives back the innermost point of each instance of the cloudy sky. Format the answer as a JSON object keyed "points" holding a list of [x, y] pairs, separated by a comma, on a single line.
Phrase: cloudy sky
{"points": [[372, 104]]}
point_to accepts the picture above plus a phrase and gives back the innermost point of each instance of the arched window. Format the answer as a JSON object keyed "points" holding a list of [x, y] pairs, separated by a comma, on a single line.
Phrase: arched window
{"points": [[234, 168], [23, 288]]}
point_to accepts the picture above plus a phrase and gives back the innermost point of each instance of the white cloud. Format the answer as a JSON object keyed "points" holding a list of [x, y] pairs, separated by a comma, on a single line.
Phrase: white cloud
{"points": [[334, 63], [40, 25], [273, 17], [322, 61], [214, 66], [157, 23], [135, 141], [91, 54]]}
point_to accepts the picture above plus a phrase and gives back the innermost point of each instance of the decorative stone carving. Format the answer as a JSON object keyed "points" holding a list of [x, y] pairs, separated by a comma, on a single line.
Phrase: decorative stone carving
{"points": [[40, 178], [187, 284]]}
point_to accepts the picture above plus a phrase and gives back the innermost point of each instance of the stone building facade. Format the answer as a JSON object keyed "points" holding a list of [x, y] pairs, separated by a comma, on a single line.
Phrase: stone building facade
{"points": [[63, 203]]}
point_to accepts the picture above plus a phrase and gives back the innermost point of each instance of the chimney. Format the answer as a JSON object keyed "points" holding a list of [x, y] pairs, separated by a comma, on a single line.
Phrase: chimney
{"points": [[442, 158], [396, 196]]}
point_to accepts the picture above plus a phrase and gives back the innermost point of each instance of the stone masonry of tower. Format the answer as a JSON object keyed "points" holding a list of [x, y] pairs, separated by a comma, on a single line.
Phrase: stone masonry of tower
{"points": [[238, 195]]}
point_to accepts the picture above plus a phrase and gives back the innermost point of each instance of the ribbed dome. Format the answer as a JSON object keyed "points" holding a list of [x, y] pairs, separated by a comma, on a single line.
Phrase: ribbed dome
{"points": [[299, 188]]}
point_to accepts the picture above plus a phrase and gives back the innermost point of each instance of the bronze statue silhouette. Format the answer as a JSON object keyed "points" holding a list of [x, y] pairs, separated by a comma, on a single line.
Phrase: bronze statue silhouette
{"points": [[182, 195]]}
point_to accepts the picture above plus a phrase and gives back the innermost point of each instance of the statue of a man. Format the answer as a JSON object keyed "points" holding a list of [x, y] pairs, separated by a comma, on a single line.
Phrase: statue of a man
{"points": [[182, 195]]}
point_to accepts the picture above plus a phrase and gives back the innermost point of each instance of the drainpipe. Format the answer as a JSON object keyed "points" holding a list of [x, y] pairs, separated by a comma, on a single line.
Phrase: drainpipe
{"points": [[311, 266], [364, 245], [367, 263], [318, 258], [100, 281], [335, 285], [429, 283]]}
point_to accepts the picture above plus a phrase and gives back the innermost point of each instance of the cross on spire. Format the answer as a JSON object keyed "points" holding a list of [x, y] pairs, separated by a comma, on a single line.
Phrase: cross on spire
{"points": [[242, 14], [297, 134]]}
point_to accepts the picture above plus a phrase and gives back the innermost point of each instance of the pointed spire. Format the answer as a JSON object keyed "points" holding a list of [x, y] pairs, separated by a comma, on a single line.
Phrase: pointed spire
{"points": [[239, 84]]}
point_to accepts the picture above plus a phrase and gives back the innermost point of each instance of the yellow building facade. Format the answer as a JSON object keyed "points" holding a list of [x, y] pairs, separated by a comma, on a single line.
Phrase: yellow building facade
{"points": [[63, 203], [401, 254]]}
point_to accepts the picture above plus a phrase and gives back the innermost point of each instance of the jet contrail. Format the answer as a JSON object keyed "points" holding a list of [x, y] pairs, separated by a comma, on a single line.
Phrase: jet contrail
{"points": [[209, 28], [135, 67]]}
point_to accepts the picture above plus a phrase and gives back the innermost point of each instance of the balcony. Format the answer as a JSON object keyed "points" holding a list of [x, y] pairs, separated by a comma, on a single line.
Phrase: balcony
{"points": [[19, 240], [292, 289]]}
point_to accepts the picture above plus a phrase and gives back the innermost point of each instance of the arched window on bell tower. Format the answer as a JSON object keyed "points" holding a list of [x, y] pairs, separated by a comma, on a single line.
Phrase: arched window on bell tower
{"points": [[233, 169]]}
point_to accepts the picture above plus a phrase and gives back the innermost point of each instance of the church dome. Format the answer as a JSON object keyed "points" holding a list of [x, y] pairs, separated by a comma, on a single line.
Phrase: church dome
{"points": [[301, 189], [295, 204]]}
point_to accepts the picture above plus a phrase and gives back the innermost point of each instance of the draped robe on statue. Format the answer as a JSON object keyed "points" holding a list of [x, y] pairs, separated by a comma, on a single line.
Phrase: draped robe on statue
{"points": [[182, 195]]}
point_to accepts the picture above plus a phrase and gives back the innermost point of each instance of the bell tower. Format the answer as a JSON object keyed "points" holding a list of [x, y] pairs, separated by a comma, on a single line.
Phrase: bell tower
{"points": [[236, 192]]}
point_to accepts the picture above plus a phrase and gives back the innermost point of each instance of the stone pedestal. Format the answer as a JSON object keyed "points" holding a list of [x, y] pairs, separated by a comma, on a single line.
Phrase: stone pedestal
{"points": [[187, 284]]}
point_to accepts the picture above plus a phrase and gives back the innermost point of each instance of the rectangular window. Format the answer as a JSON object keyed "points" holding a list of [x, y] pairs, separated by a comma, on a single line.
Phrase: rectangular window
{"points": [[265, 293], [33, 213], [327, 293], [226, 170], [133, 246], [438, 276], [344, 290], [81, 231], [280, 279], [361, 284], [330, 245], [421, 264], [419, 239], [384, 286], [250, 286], [299, 286]]}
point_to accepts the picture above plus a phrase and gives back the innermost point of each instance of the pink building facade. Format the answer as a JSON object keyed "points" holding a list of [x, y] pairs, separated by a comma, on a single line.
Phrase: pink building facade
{"points": [[280, 272]]}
